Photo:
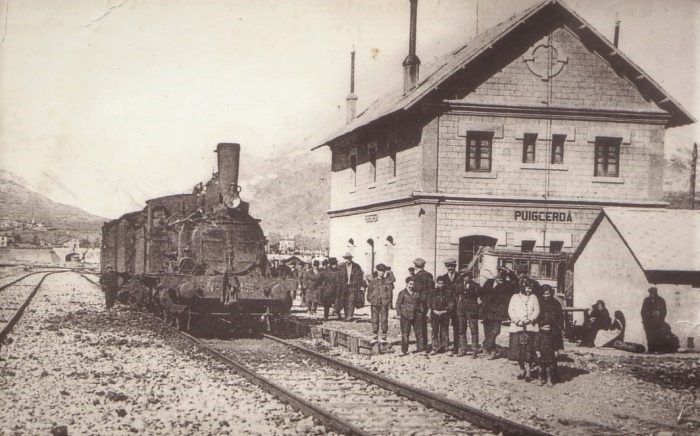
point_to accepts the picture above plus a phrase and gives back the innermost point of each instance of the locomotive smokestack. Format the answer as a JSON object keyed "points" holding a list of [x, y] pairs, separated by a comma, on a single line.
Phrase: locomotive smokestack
{"points": [[411, 65], [616, 39], [228, 157]]}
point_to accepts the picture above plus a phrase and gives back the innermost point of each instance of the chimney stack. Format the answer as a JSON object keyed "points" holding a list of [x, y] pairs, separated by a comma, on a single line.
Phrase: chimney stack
{"points": [[351, 99], [228, 157], [616, 40], [411, 65]]}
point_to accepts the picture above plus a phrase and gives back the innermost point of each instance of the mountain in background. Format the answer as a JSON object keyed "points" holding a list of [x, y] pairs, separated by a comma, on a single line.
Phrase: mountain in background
{"points": [[18, 202], [290, 195]]}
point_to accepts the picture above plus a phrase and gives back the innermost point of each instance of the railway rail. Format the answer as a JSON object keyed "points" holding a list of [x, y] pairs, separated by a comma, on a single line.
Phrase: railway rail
{"points": [[345, 398], [14, 299]]}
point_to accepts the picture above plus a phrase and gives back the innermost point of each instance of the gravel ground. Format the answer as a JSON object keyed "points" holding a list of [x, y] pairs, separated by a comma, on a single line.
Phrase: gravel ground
{"points": [[71, 364], [601, 390], [601, 395]]}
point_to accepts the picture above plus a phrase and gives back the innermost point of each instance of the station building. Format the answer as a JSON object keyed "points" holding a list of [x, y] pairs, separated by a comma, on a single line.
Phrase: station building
{"points": [[511, 146]]}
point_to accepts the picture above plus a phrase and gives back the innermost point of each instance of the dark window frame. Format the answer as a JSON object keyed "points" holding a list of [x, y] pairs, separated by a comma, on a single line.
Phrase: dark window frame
{"points": [[479, 147], [558, 146], [529, 147], [528, 245], [353, 167], [606, 157], [372, 158]]}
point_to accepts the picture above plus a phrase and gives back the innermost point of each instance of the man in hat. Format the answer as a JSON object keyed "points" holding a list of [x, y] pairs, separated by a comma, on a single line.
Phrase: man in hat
{"points": [[379, 295], [110, 286], [452, 282], [330, 283], [467, 293], [496, 297], [424, 286], [352, 278], [441, 306], [311, 283], [654, 320]]}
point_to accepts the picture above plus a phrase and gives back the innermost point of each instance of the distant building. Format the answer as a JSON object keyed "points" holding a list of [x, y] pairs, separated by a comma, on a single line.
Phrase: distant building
{"points": [[628, 250], [515, 141], [285, 246], [6, 240], [73, 243]]}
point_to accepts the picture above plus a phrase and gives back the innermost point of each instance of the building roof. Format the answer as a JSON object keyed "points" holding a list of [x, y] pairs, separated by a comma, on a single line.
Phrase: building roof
{"points": [[659, 239], [445, 67]]}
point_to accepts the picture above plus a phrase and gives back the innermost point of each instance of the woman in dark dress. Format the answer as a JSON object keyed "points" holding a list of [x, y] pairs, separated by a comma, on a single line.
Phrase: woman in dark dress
{"points": [[549, 338]]}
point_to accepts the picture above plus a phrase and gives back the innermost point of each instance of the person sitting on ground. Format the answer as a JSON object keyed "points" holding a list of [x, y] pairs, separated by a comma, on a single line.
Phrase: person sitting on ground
{"points": [[549, 338], [523, 311], [409, 309], [379, 295], [442, 306], [599, 319], [658, 332]]}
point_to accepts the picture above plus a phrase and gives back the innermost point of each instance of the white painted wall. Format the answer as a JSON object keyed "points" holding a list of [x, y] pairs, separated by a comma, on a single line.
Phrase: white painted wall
{"points": [[606, 270]]}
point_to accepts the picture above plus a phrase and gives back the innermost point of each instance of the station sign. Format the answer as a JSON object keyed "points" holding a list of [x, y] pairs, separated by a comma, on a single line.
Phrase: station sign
{"points": [[371, 218], [561, 216]]}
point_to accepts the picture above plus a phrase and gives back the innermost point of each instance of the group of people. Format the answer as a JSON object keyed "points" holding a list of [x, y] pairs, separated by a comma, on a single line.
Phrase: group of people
{"points": [[331, 286]]}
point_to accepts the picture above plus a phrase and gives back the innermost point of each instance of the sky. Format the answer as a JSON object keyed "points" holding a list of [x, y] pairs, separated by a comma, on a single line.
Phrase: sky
{"points": [[106, 103]]}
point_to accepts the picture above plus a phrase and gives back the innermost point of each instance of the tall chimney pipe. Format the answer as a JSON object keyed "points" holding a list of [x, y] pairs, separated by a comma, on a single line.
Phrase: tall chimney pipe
{"points": [[616, 40], [351, 99], [411, 65], [228, 157]]}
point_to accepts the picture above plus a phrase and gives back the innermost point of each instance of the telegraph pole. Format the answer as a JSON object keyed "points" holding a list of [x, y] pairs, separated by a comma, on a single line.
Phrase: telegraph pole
{"points": [[693, 166]]}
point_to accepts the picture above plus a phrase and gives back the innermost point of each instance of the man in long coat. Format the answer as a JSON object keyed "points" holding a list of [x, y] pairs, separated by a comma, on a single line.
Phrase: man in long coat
{"points": [[496, 296], [654, 319], [467, 294], [110, 286], [452, 283], [329, 284], [379, 296], [352, 279], [424, 286]]}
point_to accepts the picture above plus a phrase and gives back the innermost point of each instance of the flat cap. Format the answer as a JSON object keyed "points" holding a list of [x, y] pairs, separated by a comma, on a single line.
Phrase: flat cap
{"points": [[381, 267], [419, 262], [347, 255], [465, 272], [451, 262]]}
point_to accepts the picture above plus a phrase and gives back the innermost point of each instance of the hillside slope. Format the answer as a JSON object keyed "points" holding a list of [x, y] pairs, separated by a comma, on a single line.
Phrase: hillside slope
{"points": [[291, 195], [20, 203]]}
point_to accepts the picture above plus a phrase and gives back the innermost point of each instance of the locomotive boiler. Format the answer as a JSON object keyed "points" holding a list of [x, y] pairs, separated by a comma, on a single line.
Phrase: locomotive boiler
{"points": [[197, 255]]}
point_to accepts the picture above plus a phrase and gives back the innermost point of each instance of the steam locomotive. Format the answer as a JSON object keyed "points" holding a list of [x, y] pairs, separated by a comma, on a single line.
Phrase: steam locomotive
{"points": [[197, 255]]}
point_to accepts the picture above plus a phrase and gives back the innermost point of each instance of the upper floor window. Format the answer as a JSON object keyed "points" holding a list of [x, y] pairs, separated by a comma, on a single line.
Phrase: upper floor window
{"points": [[558, 142], [527, 246], [372, 151], [607, 157], [479, 151], [353, 167], [529, 146]]}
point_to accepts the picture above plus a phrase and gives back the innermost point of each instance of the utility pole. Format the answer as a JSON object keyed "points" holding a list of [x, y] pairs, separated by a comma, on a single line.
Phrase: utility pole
{"points": [[693, 166]]}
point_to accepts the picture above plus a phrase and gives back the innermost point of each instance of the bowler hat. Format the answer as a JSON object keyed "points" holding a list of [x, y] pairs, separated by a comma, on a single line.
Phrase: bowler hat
{"points": [[420, 263], [347, 255]]}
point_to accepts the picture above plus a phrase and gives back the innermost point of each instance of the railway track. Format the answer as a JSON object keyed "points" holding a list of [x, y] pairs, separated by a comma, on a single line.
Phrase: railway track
{"points": [[15, 297], [345, 398]]}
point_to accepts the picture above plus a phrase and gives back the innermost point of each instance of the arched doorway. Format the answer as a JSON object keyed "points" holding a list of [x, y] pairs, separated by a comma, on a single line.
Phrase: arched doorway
{"points": [[469, 246]]}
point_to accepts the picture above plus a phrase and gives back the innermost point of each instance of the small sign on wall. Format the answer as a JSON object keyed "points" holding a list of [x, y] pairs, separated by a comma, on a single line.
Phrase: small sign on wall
{"points": [[543, 215], [371, 218]]}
